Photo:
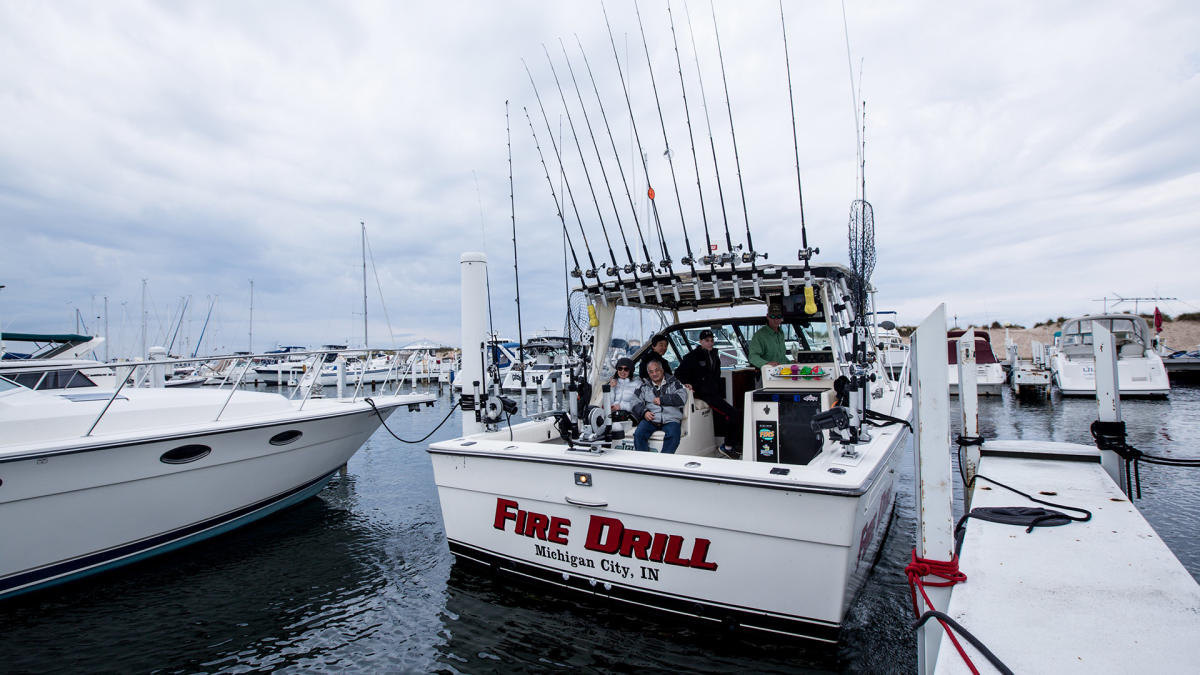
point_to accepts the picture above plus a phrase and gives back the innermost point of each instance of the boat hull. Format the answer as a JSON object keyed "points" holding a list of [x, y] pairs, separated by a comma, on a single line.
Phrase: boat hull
{"points": [[1144, 377], [774, 558], [90, 508]]}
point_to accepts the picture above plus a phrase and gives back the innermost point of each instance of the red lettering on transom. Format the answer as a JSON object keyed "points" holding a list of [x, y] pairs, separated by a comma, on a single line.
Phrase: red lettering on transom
{"points": [[605, 535]]}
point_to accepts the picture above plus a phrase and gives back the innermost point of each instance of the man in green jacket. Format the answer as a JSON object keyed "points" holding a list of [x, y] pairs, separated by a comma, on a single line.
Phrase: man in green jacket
{"points": [[767, 347]]}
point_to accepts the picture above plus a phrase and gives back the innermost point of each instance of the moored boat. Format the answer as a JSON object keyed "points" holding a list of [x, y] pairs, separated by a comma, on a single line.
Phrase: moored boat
{"points": [[779, 540], [91, 479], [1140, 369]]}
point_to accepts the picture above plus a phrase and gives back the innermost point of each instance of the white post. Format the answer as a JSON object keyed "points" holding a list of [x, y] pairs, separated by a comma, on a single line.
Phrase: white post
{"points": [[474, 333], [968, 398], [158, 372], [1108, 392], [340, 364], [934, 480]]}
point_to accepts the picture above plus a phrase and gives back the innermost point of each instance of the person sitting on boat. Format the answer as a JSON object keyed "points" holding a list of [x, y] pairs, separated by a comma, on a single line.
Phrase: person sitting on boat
{"points": [[658, 347], [659, 407], [767, 347], [624, 386], [700, 371]]}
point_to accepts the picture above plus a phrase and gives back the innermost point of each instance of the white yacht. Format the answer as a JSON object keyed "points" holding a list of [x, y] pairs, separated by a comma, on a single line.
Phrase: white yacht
{"points": [[777, 541], [547, 359], [1140, 369], [989, 372], [94, 478]]}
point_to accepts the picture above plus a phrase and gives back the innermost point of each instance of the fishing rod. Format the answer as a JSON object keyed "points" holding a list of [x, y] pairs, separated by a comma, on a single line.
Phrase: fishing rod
{"points": [[750, 255], [690, 259], [665, 263], [708, 256], [633, 266], [647, 267], [512, 204], [615, 269], [594, 271], [577, 272], [810, 304], [729, 257]]}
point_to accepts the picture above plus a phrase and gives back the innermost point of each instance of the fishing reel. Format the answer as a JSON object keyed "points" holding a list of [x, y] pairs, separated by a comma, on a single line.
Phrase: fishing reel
{"points": [[577, 273], [750, 256], [841, 423], [595, 425], [495, 407], [806, 254]]}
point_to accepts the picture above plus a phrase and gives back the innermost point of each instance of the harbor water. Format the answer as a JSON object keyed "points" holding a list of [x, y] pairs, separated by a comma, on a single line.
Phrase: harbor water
{"points": [[359, 579]]}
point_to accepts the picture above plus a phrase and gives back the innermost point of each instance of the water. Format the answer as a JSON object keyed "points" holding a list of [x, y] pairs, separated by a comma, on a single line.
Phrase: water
{"points": [[360, 580]]}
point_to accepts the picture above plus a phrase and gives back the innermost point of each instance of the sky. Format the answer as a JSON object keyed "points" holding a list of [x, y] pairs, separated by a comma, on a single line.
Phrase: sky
{"points": [[1023, 159]]}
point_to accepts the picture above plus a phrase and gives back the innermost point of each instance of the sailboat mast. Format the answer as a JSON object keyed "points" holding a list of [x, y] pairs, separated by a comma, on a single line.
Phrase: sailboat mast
{"points": [[366, 345], [143, 318], [250, 339]]}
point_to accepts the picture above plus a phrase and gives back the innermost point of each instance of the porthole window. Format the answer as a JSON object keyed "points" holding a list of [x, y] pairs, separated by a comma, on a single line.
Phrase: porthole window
{"points": [[184, 454], [285, 437]]}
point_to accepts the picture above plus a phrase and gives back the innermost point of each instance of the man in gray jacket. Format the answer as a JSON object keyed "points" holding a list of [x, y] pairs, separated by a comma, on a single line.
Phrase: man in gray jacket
{"points": [[660, 402]]}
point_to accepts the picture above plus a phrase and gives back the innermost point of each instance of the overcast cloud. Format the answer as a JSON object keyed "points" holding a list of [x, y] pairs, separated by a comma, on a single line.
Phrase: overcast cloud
{"points": [[1022, 158]]}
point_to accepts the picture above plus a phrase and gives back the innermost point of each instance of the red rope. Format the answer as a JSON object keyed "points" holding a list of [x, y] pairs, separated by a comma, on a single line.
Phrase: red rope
{"points": [[948, 570]]}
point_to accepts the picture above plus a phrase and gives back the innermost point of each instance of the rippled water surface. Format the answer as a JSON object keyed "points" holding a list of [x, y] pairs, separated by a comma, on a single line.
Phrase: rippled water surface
{"points": [[360, 580]]}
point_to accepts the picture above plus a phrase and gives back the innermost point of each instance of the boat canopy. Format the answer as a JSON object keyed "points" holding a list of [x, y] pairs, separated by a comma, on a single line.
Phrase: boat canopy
{"points": [[1125, 328], [49, 344]]}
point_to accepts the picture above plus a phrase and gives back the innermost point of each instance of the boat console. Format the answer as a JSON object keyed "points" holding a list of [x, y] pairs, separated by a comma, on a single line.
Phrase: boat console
{"points": [[779, 414]]}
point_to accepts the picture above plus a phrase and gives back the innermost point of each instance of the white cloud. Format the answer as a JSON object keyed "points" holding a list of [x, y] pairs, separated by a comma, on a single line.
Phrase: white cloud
{"points": [[1022, 159]]}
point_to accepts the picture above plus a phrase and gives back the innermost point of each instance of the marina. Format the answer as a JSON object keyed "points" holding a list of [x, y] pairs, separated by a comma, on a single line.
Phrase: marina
{"points": [[379, 589], [781, 411]]}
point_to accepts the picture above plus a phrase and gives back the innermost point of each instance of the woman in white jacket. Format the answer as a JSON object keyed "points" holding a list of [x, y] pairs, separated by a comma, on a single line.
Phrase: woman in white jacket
{"points": [[624, 386]]}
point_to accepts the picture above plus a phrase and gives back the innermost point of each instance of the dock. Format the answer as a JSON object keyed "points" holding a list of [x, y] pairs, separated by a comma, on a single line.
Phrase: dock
{"points": [[1095, 590], [1105, 595]]}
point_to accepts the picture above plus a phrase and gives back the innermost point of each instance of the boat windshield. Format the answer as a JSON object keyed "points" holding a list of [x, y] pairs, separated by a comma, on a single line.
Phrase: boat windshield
{"points": [[732, 339], [1124, 330]]}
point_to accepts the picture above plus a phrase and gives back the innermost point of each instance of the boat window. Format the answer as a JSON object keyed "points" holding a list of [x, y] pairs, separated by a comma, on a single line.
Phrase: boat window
{"points": [[52, 379], [286, 437], [6, 385], [184, 454]]}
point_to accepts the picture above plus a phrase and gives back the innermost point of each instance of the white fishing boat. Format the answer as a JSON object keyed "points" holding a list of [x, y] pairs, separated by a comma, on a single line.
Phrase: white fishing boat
{"points": [[93, 479], [547, 360], [989, 372], [1140, 369], [777, 541]]}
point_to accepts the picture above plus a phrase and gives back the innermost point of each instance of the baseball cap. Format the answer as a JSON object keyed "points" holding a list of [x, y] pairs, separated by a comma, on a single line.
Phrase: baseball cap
{"points": [[705, 334]]}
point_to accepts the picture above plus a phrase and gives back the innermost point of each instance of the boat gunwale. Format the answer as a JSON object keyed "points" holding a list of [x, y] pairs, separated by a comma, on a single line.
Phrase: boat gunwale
{"points": [[71, 448], [862, 488]]}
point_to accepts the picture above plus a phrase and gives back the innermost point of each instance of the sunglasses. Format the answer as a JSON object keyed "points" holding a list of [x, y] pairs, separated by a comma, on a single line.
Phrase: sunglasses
{"points": [[622, 368], [775, 316]]}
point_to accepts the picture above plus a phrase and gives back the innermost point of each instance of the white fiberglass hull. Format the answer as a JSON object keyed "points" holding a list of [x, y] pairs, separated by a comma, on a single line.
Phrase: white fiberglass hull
{"points": [[989, 379], [720, 540], [1136, 376], [74, 508]]}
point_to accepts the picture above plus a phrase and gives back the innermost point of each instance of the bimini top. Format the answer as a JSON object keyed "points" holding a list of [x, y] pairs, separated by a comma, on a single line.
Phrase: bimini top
{"points": [[50, 344], [708, 288]]}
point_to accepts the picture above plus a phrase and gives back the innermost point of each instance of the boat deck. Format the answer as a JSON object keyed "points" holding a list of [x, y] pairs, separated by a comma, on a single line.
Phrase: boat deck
{"points": [[1105, 595]]}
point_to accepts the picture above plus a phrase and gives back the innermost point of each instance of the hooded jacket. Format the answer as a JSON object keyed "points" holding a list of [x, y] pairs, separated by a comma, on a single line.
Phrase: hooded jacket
{"points": [[670, 392]]}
